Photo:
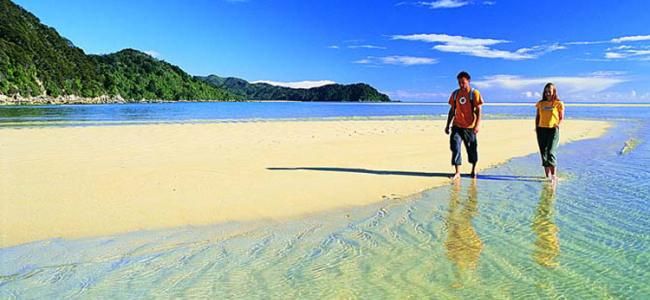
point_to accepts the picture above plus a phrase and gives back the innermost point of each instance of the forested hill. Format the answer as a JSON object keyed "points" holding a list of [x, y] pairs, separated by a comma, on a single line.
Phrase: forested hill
{"points": [[36, 61], [37, 65], [264, 91]]}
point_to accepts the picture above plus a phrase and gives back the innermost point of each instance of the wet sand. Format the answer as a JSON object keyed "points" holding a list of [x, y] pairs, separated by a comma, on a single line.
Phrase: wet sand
{"points": [[98, 180]]}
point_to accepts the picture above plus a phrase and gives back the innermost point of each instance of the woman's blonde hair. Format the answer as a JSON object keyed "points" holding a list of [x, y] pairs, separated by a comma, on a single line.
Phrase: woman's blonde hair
{"points": [[553, 93]]}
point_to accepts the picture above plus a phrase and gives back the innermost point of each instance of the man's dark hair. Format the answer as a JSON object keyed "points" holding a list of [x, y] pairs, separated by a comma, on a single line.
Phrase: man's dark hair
{"points": [[463, 74]]}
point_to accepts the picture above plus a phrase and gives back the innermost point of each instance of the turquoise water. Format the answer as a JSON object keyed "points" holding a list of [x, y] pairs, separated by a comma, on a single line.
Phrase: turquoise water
{"points": [[506, 235]]}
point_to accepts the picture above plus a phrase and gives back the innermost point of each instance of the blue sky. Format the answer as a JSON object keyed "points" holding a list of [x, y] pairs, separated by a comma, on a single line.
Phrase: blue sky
{"points": [[593, 50]]}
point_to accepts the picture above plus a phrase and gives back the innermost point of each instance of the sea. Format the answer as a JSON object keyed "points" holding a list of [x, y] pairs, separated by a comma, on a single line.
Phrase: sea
{"points": [[508, 235]]}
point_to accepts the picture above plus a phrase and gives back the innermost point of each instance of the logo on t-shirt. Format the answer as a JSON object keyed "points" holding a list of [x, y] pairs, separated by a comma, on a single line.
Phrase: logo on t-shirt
{"points": [[547, 107], [462, 100]]}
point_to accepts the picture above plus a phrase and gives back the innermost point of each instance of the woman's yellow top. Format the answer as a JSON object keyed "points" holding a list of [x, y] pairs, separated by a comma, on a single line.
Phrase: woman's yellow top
{"points": [[549, 113]]}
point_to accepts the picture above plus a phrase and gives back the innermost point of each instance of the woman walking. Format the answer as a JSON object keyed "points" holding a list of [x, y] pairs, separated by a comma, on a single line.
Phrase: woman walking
{"points": [[550, 113]]}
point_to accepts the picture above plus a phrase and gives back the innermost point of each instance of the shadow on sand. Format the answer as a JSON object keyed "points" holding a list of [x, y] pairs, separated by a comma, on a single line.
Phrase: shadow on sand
{"points": [[407, 173]]}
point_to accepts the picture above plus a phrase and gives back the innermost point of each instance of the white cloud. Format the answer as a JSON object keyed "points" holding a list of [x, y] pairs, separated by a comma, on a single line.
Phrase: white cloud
{"points": [[568, 84], [297, 84], [152, 53], [366, 47], [448, 39], [608, 73], [623, 51], [355, 44], [482, 51], [628, 53], [443, 4], [618, 40], [621, 47], [397, 60], [586, 42], [541, 49], [531, 94], [478, 47], [596, 86], [613, 55], [618, 96], [632, 38], [638, 52]]}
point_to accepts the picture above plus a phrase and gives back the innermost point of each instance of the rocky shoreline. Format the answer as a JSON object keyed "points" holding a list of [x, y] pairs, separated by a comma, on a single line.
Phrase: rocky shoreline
{"points": [[73, 99]]}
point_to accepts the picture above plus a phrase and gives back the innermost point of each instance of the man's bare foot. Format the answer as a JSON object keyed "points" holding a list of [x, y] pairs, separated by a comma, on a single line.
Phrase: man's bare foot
{"points": [[473, 175], [455, 177]]}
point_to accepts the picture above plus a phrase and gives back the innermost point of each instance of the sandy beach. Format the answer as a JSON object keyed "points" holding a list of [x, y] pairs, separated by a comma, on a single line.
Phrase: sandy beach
{"points": [[98, 180]]}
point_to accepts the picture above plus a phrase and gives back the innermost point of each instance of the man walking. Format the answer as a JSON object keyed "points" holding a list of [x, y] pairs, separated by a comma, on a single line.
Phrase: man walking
{"points": [[465, 112]]}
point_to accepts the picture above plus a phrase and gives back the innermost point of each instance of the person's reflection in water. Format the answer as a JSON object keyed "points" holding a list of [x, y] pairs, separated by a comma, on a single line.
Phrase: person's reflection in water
{"points": [[463, 244], [547, 245]]}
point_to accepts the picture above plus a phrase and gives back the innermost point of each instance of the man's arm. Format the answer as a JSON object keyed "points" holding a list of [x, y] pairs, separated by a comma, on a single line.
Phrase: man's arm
{"points": [[537, 120], [561, 115], [478, 118], [450, 117]]}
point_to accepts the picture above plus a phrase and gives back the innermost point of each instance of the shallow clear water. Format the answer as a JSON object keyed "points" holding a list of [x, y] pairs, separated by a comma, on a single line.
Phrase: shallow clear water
{"points": [[507, 235]]}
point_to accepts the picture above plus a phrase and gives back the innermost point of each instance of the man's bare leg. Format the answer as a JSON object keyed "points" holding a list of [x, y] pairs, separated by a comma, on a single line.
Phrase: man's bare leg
{"points": [[547, 172], [552, 171], [457, 174]]}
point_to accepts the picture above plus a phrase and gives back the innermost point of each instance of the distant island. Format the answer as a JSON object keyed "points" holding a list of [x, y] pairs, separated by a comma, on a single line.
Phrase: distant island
{"points": [[38, 66]]}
